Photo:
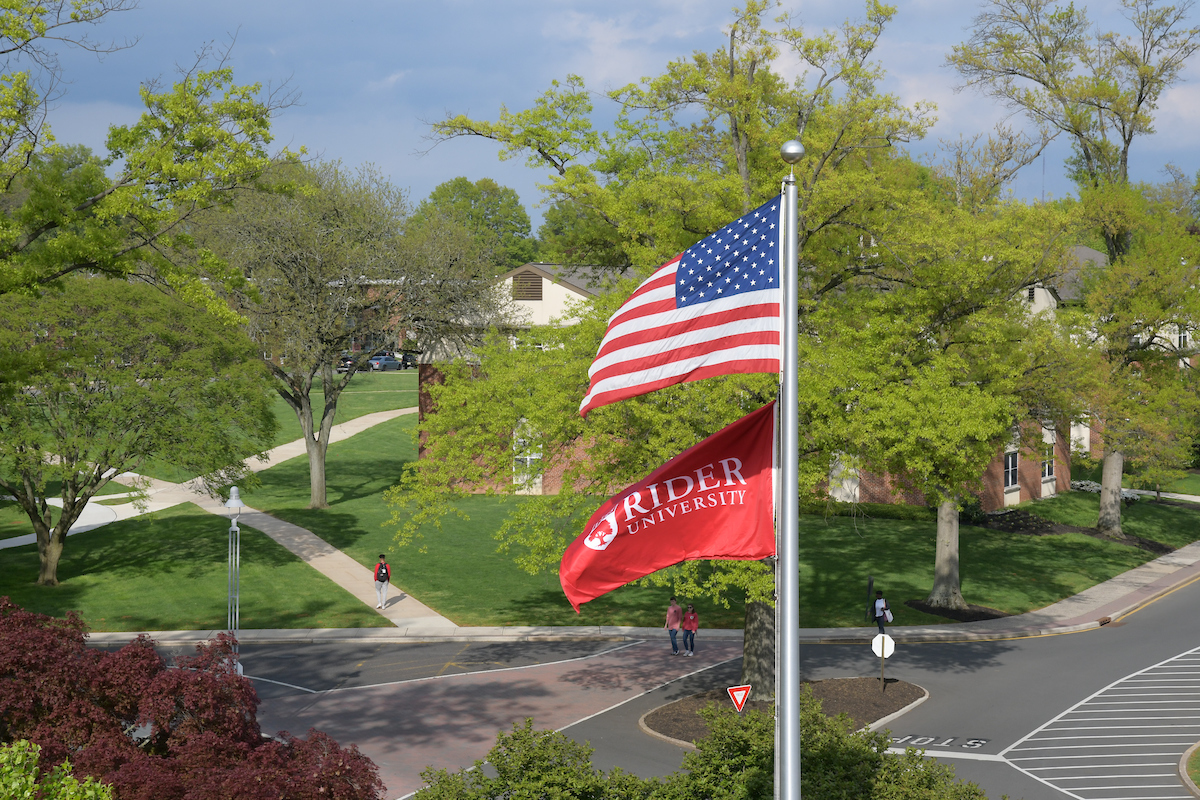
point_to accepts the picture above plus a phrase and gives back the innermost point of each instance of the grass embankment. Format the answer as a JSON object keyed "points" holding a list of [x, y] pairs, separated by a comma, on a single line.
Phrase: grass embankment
{"points": [[463, 578], [366, 393], [168, 571]]}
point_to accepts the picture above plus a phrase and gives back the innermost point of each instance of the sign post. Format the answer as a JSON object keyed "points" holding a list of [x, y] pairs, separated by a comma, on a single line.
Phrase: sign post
{"points": [[883, 646]]}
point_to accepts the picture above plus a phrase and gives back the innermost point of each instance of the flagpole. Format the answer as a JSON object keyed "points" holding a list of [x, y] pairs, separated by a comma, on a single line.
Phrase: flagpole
{"points": [[787, 598]]}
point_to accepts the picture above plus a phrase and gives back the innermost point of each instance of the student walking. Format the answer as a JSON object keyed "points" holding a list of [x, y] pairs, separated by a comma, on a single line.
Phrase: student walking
{"points": [[674, 617], [383, 577], [883, 613], [691, 624]]}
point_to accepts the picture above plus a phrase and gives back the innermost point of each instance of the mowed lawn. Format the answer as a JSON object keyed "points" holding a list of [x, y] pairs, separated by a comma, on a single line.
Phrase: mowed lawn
{"points": [[366, 393], [168, 571], [463, 577]]}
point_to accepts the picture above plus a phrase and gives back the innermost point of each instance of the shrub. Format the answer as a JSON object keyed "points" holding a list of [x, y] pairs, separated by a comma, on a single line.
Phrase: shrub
{"points": [[736, 761], [159, 733], [21, 779]]}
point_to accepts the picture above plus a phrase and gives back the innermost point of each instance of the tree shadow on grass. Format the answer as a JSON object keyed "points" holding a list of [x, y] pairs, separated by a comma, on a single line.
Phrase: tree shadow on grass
{"points": [[1006, 571], [172, 566]]}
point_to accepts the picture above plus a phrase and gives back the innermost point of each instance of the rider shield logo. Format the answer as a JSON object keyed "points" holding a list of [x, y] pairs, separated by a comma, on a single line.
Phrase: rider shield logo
{"points": [[603, 533]]}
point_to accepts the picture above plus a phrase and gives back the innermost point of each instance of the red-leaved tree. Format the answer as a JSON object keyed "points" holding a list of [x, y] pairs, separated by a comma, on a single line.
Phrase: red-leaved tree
{"points": [[154, 732]]}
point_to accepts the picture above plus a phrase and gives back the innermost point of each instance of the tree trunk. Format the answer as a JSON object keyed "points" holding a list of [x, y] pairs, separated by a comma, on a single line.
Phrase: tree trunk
{"points": [[50, 548], [758, 650], [1109, 522], [316, 471], [947, 591]]}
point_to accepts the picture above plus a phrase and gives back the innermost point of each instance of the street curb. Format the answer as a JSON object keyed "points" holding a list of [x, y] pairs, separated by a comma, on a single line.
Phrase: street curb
{"points": [[647, 729], [895, 715], [1188, 783]]}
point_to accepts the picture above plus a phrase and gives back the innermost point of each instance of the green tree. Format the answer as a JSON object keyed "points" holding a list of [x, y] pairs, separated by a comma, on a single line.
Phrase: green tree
{"points": [[1100, 89], [662, 180], [61, 213], [489, 211], [331, 261], [22, 779], [115, 373]]}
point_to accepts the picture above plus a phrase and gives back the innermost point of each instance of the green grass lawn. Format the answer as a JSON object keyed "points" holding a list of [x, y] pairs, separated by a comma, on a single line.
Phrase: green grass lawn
{"points": [[1190, 484], [367, 393], [168, 572], [1009, 572], [463, 578], [13, 521], [1172, 525]]}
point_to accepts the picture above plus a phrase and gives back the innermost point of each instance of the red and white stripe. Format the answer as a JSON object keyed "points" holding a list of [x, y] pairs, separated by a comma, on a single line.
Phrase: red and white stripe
{"points": [[650, 344]]}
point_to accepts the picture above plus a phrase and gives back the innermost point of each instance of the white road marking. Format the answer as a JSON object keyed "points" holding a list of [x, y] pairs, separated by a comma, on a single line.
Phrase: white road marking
{"points": [[1167, 693]]}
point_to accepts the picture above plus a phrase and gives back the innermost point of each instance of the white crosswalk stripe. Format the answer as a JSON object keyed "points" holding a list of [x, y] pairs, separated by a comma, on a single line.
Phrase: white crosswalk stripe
{"points": [[1125, 741]]}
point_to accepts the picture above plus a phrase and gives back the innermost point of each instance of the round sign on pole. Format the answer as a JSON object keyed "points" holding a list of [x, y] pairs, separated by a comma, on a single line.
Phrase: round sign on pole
{"points": [[883, 645]]}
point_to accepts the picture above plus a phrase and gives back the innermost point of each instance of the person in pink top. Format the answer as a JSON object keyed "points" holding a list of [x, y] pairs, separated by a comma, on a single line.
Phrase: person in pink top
{"points": [[674, 617], [691, 624]]}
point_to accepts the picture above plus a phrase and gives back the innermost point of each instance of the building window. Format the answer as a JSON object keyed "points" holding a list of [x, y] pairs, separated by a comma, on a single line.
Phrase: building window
{"points": [[1182, 340], [527, 286], [527, 456], [1032, 293], [1048, 462], [1010, 470]]}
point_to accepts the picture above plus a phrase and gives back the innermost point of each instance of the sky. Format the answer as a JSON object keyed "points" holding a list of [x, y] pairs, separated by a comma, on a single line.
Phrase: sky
{"points": [[371, 75]]}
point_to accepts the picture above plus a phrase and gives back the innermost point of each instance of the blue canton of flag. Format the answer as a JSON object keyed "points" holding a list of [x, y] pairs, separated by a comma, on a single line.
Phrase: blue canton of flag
{"points": [[739, 258]]}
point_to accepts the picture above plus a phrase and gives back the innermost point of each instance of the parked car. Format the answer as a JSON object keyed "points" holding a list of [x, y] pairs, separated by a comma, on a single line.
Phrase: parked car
{"points": [[344, 363], [408, 360], [384, 362]]}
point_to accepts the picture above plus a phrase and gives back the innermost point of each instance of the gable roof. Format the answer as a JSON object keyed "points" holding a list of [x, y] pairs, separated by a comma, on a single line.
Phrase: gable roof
{"points": [[582, 280]]}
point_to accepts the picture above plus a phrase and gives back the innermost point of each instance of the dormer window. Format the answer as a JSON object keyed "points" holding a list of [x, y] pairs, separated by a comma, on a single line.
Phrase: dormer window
{"points": [[527, 286], [1032, 293]]}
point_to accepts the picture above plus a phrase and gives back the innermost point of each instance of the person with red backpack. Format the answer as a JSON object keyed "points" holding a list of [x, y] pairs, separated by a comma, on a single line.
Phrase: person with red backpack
{"points": [[383, 577]]}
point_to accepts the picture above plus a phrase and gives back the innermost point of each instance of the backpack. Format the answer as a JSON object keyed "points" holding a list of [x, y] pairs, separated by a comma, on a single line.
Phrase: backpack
{"points": [[381, 573]]}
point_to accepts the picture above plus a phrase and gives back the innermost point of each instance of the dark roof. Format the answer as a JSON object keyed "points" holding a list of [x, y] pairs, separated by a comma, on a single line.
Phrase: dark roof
{"points": [[1068, 286], [585, 280]]}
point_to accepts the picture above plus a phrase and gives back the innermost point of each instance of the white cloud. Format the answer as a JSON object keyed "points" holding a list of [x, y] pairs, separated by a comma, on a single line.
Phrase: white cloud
{"points": [[387, 83]]}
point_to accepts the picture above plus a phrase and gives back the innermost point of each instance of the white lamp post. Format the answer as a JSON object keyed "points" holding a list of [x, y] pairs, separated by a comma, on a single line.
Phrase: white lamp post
{"points": [[234, 503]]}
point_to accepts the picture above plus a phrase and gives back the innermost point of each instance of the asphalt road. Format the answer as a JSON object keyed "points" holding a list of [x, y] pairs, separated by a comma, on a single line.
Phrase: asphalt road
{"points": [[1103, 714], [1086, 715]]}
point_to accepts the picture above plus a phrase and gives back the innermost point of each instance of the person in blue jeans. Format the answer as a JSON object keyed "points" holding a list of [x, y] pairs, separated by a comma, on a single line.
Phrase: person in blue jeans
{"points": [[674, 617], [691, 624]]}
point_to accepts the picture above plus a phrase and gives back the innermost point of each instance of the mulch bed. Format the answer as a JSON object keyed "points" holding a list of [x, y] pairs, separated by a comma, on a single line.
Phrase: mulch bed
{"points": [[859, 698], [972, 613]]}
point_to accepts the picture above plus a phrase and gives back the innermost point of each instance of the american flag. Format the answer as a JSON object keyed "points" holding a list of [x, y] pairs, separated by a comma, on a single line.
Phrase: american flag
{"points": [[714, 310]]}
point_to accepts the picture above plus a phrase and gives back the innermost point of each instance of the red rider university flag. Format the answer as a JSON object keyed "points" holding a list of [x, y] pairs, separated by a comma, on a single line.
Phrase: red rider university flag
{"points": [[714, 500]]}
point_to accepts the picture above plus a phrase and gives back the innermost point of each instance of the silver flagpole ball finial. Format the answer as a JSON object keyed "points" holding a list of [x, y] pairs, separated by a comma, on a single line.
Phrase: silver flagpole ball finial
{"points": [[792, 151]]}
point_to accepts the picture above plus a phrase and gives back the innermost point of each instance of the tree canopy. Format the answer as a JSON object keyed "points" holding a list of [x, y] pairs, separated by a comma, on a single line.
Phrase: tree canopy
{"points": [[139, 729], [62, 211], [489, 211], [111, 374], [331, 262], [915, 356], [1100, 88]]}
